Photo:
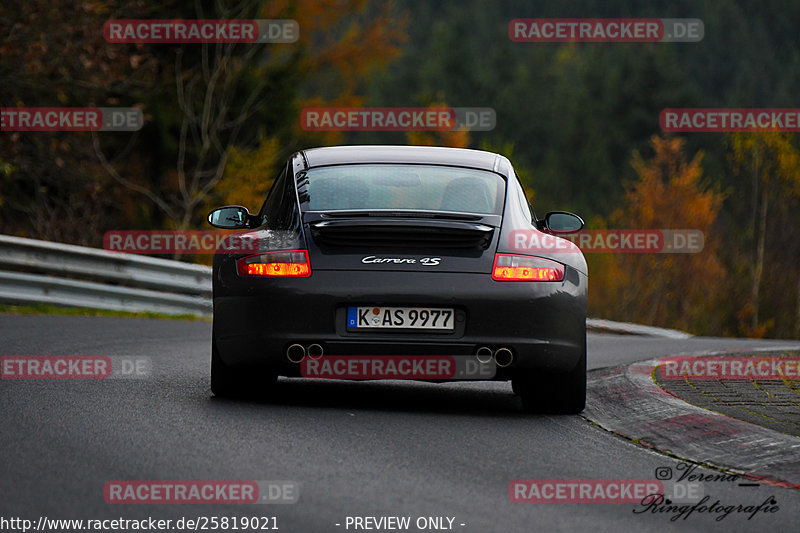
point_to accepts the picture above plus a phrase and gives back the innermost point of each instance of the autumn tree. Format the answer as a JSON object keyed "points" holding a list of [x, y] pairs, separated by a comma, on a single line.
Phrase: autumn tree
{"points": [[771, 161], [54, 55], [203, 105], [345, 43], [665, 289], [226, 91], [453, 138]]}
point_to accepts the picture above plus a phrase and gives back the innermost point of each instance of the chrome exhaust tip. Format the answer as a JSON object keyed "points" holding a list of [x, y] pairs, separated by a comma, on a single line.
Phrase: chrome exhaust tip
{"points": [[503, 357], [315, 351], [295, 353], [484, 354]]}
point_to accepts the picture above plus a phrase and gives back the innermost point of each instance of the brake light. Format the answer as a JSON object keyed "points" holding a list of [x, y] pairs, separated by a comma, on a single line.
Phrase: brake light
{"points": [[289, 263], [509, 267]]}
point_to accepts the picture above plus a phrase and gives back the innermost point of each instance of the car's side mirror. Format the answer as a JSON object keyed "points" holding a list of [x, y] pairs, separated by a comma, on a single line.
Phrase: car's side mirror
{"points": [[560, 222], [231, 217]]}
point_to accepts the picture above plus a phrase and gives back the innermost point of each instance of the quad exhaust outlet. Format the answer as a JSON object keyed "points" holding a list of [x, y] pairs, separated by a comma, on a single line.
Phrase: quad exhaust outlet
{"points": [[315, 351], [484, 354], [295, 353], [503, 357]]}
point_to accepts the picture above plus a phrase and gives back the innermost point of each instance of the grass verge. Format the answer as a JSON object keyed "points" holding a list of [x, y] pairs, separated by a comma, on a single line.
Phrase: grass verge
{"points": [[46, 309]]}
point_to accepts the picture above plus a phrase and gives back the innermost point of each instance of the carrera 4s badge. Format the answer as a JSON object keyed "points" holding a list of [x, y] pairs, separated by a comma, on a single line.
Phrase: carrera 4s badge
{"points": [[429, 261]]}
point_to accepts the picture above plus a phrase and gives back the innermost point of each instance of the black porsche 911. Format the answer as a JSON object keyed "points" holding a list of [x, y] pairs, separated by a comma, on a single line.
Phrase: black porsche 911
{"points": [[401, 252]]}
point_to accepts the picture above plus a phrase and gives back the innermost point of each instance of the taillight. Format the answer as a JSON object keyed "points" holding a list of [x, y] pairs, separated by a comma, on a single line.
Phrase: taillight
{"points": [[509, 267], [289, 263]]}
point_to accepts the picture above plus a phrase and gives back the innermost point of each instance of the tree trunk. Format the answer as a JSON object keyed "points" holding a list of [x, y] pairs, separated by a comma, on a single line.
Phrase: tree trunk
{"points": [[759, 267], [797, 317]]}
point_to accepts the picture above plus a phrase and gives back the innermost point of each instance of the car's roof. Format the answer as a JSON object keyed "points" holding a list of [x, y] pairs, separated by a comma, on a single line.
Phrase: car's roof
{"points": [[437, 155]]}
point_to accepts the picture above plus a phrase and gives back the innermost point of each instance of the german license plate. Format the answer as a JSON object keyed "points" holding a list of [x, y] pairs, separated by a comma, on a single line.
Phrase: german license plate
{"points": [[428, 318]]}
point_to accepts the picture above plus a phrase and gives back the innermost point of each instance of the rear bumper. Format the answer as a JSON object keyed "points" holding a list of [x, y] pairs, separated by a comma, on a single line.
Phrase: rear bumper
{"points": [[543, 323]]}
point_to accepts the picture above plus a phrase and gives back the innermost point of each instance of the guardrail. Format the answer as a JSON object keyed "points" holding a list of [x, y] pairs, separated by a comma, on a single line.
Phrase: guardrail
{"points": [[64, 274], [41, 272], [601, 325]]}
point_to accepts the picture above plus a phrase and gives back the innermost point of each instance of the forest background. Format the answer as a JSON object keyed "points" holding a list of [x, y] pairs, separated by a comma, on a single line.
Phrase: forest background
{"points": [[580, 121]]}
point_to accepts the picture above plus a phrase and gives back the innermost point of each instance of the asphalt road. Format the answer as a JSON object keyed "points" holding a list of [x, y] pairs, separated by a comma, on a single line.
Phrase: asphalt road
{"points": [[356, 449]]}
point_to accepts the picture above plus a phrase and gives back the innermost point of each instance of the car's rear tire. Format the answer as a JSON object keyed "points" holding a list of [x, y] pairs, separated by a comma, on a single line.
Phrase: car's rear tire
{"points": [[227, 382], [553, 393]]}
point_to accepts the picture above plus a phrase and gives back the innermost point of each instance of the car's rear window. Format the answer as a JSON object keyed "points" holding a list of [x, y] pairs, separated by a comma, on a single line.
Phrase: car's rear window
{"points": [[404, 187]]}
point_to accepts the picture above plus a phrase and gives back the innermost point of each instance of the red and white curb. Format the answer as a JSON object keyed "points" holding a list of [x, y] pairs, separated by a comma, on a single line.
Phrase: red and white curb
{"points": [[626, 400]]}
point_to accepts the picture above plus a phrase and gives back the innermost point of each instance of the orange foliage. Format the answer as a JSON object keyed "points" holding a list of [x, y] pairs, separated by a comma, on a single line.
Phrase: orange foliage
{"points": [[248, 175], [453, 139], [450, 138], [671, 290], [345, 39]]}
